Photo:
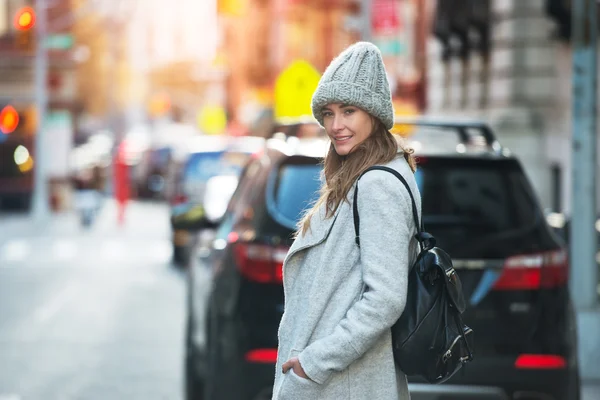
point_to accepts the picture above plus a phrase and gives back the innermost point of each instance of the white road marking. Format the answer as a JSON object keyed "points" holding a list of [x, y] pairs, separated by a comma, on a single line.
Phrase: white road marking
{"points": [[10, 397], [162, 252], [52, 307], [113, 250], [64, 250], [15, 250], [144, 280], [48, 252]]}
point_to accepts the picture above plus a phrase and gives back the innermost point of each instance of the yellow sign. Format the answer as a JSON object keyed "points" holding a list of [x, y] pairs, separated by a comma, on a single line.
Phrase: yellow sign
{"points": [[231, 7], [212, 120], [294, 89]]}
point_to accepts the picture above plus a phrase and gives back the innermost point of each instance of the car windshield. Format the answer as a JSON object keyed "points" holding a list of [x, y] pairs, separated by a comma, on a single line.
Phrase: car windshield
{"points": [[295, 188], [200, 167], [480, 208]]}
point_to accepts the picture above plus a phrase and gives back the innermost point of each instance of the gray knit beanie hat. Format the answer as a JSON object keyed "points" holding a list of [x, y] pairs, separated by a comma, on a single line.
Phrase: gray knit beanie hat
{"points": [[356, 77]]}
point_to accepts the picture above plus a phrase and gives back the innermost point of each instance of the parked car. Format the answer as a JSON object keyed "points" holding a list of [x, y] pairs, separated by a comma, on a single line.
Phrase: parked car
{"points": [[478, 204], [153, 172], [206, 158]]}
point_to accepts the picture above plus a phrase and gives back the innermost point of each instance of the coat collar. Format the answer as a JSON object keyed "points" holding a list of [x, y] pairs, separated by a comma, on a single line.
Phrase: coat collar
{"points": [[320, 226]]}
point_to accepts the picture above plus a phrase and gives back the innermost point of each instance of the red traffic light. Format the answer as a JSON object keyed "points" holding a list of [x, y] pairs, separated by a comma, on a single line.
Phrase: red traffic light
{"points": [[25, 18], [9, 120]]}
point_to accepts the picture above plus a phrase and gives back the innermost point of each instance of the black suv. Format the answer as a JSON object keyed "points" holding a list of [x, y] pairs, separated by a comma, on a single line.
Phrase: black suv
{"points": [[481, 208]]}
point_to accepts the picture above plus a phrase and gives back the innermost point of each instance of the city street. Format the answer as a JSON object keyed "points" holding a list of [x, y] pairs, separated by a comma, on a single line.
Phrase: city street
{"points": [[92, 314]]}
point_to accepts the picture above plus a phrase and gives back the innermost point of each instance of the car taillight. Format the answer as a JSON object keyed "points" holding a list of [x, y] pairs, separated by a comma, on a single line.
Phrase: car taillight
{"points": [[179, 199], [267, 356], [540, 361], [260, 263], [534, 271]]}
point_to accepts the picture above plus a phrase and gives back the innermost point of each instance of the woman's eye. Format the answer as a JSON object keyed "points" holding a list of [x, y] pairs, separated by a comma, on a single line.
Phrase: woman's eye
{"points": [[327, 113], [349, 111]]}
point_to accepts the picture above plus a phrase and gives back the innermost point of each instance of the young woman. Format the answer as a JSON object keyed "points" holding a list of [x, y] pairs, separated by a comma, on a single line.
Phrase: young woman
{"points": [[341, 300]]}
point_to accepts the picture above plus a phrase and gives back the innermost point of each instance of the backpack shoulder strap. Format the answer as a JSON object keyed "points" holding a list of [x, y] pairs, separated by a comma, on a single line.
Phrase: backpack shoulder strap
{"points": [[355, 201]]}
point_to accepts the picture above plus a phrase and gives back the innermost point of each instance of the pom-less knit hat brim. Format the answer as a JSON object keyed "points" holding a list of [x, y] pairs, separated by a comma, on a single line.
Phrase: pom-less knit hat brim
{"points": [[347, 93], [356, 77]]}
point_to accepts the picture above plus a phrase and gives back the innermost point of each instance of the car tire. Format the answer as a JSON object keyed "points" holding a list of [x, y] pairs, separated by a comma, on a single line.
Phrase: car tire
{"points": [[213, 361], [193, 380], [180, 255], [194, 386], [574, 391], [224, 370]]}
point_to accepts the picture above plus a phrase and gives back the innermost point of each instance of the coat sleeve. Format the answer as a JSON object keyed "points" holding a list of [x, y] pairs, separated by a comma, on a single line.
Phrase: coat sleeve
{"points": [[386, 229]]}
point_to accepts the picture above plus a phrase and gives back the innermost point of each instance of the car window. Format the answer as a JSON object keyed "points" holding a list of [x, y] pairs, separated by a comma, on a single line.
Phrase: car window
{"points": [[244, 185], [480, 208], [294, 187], [242, 199], [200, 167]]}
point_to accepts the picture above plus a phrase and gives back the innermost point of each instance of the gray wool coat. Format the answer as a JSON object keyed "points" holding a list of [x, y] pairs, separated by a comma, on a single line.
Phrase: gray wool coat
{"points": [[341, 300]]}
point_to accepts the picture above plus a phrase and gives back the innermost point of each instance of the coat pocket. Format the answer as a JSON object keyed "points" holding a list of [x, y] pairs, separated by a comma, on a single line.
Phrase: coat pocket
{"points": [[294, 387], [297, 388]]}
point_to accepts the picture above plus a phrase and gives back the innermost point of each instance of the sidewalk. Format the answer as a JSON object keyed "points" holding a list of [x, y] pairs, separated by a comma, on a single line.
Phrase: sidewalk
{"points": [[140, 217], [19, 224], [590, 390]]}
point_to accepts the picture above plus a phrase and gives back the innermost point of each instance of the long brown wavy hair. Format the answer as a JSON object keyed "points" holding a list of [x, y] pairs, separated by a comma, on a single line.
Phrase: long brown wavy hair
{"points": [[340, 172]]}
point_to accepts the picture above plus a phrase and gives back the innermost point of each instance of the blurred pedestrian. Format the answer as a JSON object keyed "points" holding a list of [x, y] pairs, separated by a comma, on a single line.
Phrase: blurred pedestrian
{"points": [[341, 300], [121, 176], [86, 196]]}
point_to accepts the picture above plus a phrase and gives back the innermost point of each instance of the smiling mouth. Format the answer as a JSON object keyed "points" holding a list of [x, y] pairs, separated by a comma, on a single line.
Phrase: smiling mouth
{"points": [[342, 139]]}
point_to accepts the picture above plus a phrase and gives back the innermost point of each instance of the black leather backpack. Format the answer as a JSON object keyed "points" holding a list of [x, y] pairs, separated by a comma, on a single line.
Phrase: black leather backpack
{"points": [[429, 340]]}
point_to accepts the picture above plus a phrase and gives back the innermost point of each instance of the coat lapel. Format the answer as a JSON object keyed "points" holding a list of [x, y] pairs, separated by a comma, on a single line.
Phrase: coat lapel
{"points": [[318, 232]]}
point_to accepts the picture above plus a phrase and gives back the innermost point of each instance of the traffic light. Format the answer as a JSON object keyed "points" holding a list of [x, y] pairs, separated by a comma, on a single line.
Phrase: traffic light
{"points": [[457, 19], [560, 12], [25, 18], [9, 120], [159, 105], [19, 120], [24, 22]]}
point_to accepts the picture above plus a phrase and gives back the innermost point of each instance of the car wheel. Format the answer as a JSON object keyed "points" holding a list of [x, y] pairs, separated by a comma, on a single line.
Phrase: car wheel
{"points": [[194, 383], [213, 361], [194, 386], [574, 391], [180, 255], [224, 377]]}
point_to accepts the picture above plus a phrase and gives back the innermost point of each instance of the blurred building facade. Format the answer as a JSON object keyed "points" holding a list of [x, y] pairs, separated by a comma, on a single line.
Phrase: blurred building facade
{"points": [[17, 88], [260, 38], [105, 66], [137, 54], [16, 54], [509, 62], [173, 49]]}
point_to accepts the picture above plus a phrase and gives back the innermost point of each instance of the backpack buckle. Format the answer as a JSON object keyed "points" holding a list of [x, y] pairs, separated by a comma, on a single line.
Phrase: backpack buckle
{"points": [[447, 355]]}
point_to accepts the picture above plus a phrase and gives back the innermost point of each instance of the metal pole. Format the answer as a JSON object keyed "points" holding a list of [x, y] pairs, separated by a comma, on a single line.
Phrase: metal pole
{"points": [[366, 33], [584, 274], [40, 191]]}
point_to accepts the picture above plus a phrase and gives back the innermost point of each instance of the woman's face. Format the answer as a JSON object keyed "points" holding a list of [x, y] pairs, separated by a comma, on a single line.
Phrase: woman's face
{"points": [[347, 126]]}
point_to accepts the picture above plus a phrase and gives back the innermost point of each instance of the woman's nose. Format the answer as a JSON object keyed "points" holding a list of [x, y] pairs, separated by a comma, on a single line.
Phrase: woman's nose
{"points": [[337, 123]]}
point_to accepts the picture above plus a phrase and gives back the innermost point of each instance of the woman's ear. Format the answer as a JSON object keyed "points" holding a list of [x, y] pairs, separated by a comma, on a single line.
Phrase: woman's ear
{"points": [[375, 124]]}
